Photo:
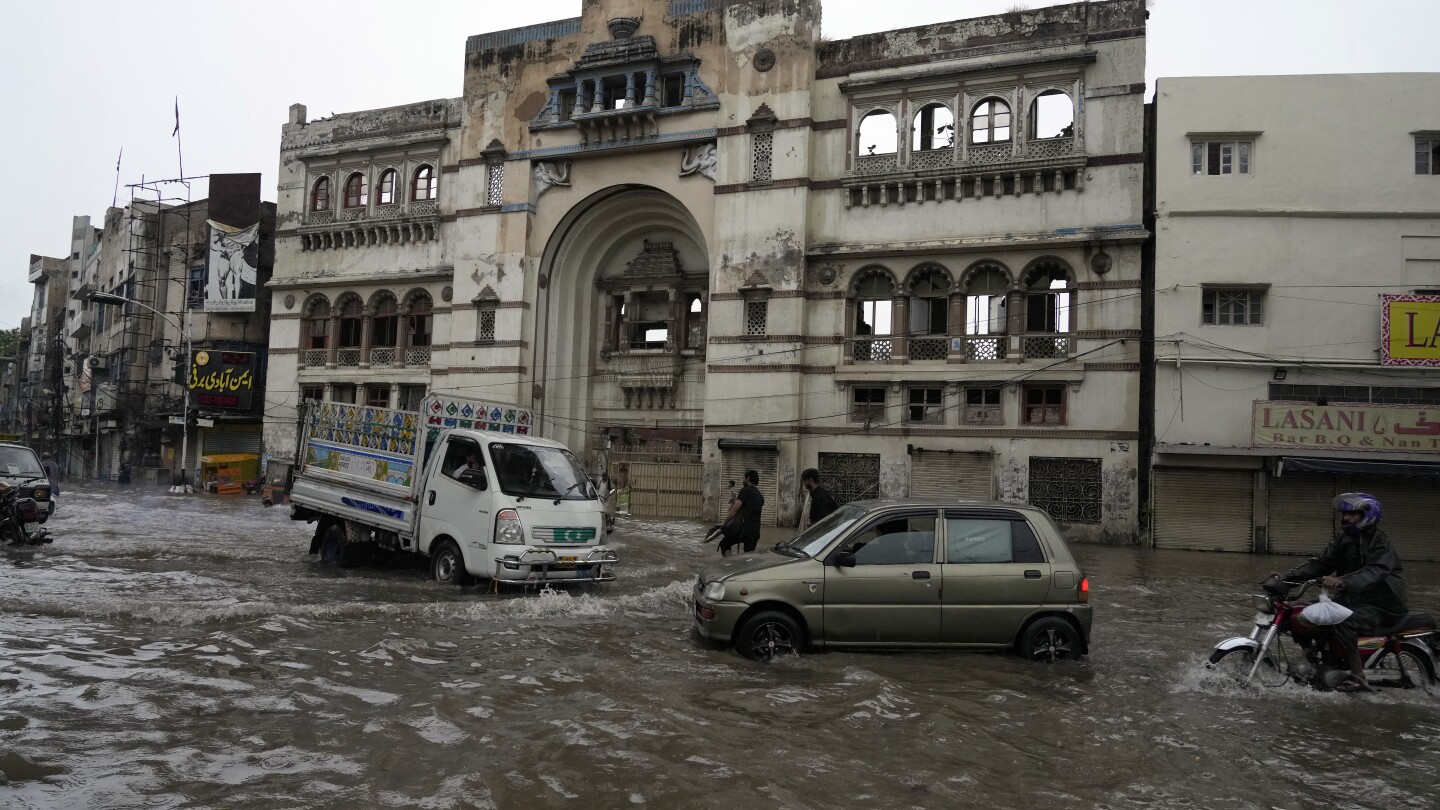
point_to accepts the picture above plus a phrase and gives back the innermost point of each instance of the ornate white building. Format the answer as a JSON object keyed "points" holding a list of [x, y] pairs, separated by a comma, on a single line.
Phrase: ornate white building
{"points": [[696, 238]]}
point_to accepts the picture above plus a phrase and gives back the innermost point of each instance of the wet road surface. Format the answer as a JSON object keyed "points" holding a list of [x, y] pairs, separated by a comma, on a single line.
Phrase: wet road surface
{"points": [[174, 652]]}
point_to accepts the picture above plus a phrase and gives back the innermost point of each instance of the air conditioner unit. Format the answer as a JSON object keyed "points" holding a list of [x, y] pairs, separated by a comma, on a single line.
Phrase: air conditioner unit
{"points": [[97, 363]]}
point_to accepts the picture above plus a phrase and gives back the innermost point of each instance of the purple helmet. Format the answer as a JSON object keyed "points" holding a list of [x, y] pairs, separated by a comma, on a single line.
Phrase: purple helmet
{"points": [[1367, 505]]}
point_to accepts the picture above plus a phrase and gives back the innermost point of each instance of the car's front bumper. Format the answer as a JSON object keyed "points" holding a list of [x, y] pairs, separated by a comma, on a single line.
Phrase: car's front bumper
{"points": [[715, 621]]}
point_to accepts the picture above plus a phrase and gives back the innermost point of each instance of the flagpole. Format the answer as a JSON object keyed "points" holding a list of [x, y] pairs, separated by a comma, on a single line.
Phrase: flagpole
{"points": [[115, 198], [179, 153]]}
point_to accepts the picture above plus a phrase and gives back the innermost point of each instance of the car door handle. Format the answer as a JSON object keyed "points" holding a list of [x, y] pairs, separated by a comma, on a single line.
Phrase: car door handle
{"points": [[1032, 574], [432, 498], [919, 574]]}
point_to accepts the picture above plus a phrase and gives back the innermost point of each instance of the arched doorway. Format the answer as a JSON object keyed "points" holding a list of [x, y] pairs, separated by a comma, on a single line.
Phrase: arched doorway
{"points": [[620, 329]]}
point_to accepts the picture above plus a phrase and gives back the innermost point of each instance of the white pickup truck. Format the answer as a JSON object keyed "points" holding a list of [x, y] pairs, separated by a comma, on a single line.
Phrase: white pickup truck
{"points": [[461, 481]]}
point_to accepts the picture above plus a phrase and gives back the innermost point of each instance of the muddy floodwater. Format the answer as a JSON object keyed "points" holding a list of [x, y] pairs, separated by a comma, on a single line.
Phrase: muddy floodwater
{"points": [[173, 652]]}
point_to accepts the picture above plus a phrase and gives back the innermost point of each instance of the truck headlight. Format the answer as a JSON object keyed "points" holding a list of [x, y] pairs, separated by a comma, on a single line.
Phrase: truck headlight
{"points": [[509, 531], [714, 591]]}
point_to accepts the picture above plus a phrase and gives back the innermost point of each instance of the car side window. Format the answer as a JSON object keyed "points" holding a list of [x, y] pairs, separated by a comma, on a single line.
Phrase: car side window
{"points": [[908, 540], [460, 454], [976, 541]]}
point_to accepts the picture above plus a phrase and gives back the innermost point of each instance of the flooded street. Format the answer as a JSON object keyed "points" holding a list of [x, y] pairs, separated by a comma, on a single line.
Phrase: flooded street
{"points": [[187, 653]]}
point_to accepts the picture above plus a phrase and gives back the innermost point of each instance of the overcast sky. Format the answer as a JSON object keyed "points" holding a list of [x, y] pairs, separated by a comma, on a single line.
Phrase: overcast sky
{"points": [[83, 78]]}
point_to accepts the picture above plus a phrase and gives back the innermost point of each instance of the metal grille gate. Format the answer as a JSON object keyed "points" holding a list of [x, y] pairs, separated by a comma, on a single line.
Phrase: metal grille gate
{"points": [[850, 476]]}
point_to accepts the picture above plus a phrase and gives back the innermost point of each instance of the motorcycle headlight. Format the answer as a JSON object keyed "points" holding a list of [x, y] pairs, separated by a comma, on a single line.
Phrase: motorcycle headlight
{"points": [[1263, 604], [714, 591]]}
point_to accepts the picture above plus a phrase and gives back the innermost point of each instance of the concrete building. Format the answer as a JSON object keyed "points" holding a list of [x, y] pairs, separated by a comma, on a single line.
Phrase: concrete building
{"points": [[1298, 256], [127, 374], [41, 363], [696, 238]]}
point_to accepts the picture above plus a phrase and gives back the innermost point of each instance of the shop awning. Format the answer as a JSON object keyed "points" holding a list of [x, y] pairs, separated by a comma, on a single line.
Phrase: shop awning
{"points": [[1357, 467]]}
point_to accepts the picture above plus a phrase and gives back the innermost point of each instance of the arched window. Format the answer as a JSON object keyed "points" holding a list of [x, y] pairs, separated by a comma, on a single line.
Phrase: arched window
{"points": [[1047, 310], [929, 313], [352, 315], [424, 185], [1052, 116], [932, 128], [316, 331], [356, 195], [385, 190], [874, 311], [877, 134], [421, 320], [384, 324], [320, 195], [990, 122], [985, 313]]}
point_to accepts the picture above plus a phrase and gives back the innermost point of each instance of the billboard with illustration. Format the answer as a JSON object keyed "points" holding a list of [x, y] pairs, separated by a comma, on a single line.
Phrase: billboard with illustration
{"points": [[233, 267]]}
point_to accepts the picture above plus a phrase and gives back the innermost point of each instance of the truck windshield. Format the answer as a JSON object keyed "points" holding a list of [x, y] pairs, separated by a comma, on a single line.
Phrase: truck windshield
{"points": [[532, 471], [19, 461]]}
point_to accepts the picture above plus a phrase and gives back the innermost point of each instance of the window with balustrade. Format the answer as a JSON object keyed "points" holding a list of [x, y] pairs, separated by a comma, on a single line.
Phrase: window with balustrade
{"points": [[425, 184], [985, 287], [352, 324], [878, 134], [315, 333], [872, 327], [1049, 332], [1052, 115], [356, 191], [932, 127], [990, 122], [929, 303], [384, 329], [320, 195], [420, 325], [385, 189]]}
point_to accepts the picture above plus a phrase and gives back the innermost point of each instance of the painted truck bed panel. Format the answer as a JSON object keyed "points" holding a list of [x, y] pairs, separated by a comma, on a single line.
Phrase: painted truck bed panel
{"points": [[343, 499]]}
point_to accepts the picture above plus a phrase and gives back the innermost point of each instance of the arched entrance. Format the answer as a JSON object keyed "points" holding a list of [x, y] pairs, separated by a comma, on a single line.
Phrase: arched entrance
{"points": [[620, 332]]}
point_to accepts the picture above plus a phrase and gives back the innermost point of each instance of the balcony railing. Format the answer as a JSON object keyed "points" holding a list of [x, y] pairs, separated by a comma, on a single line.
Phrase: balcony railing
{"points": [[877, 350], [315, 358], [347, 358], [1048, 346], [382, 356], [417, 356], [929, 348], [985, 347]]}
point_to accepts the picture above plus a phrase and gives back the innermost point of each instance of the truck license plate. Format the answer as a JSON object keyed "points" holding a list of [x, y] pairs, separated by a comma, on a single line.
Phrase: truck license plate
{"points": [[567, 562]]}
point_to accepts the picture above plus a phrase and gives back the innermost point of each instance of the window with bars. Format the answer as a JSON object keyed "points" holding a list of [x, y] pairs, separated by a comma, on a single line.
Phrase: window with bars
{"points": [[926, 406], [1427, 155], [756, 315], [1043, 405], [982, 406], [695, 324], [1220, 158], [1222, 306], [410, 397], [867, 404], [485, 325], [384, 325], [421, 320], [377, 395], [1069, 489], [351, 322]]}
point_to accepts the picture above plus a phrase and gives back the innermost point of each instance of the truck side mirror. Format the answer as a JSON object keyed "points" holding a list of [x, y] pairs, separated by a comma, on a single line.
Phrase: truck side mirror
{"points": [[473, 478]]}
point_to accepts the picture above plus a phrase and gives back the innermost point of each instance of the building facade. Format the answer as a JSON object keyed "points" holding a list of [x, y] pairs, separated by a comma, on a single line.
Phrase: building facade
{"points": [[1296, 321], [696, 238]]}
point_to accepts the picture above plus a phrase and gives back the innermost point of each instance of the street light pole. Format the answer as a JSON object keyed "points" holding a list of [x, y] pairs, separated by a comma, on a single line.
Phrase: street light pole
{"points": [[184, 486]]}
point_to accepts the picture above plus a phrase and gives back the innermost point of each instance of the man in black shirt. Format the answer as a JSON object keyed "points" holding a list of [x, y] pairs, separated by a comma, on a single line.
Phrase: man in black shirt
{"points": [[747, 505], [822, 502]]}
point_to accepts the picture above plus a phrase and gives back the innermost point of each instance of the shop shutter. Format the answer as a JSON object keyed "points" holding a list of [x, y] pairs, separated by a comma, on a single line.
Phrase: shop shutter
{"points": [[733, 464], [232, 441], [1409, 507], [1206, 510], [952, 475], [1301, 517]]}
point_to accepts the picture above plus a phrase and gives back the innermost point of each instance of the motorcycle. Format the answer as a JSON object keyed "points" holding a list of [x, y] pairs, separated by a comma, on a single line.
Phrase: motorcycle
{"points": [[20, 518], [1405, 655]]}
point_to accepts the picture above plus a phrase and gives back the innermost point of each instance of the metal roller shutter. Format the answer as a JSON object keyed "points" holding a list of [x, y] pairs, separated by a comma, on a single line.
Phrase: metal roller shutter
{"points": [[733, 464], [952, 475], [1206, 510], [1301, 520], [1409, 507], [232, 441]]}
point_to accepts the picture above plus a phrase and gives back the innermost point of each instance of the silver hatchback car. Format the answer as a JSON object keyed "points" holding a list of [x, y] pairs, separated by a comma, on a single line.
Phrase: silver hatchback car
{"points": [[913, 573]]}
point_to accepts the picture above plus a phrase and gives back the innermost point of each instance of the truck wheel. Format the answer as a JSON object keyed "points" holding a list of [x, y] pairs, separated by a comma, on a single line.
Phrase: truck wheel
{"points": [[332, 547], [447, 564]]}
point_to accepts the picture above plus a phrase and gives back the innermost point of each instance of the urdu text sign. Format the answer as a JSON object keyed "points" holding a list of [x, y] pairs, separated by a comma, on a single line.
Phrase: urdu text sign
{"points": [[1410, 330], [1383, 428]]}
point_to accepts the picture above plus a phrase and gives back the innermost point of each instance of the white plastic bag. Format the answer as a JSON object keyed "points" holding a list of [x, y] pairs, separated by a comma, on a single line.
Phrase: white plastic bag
{"points": [[1326, 612]]}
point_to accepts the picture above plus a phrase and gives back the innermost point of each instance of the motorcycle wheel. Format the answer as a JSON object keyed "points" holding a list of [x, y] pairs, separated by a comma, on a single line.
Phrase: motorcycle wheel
{"points": [[1236, 664], [1386, 671]]}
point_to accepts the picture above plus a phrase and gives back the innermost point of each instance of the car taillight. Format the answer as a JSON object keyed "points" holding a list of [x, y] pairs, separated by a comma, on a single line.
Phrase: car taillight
{"points": [[1084, 590], [508, 529]]}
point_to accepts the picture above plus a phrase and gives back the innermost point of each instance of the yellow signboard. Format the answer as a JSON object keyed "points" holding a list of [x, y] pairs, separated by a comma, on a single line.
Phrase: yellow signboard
{"points": [[1383, 428], [1410, 330]]}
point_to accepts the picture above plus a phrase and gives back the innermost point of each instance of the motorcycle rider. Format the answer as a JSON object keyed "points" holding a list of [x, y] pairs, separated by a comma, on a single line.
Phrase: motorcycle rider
{"points": [[1362, 571]]}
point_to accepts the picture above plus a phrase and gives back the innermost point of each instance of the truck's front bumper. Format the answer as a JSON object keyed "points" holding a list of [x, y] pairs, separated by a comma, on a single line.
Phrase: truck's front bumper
{"points": [[538, 565]]}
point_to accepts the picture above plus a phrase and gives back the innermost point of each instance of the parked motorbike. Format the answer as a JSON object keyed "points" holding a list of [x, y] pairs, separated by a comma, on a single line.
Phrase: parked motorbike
{"points": [[20, 517], [1405, 655]]}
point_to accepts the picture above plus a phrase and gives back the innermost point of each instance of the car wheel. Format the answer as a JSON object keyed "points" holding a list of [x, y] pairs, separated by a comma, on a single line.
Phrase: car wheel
{"points": [[769, 635], [332, 547], [447, 564], [1051, 639]]}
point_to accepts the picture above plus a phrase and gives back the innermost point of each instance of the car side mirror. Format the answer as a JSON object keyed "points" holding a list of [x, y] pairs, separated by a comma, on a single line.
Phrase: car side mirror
{"points": [[473, 478], [845, 559]]}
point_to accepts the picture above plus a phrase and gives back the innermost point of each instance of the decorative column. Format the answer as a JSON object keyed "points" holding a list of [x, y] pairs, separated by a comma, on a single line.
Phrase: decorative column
{"points": [[672, 321], [598, 104], [579, 108], [367, 323], [630, 89], [609, 336], [956, 328], [394, 395], [900, 329], [650, 100], [332, 342], [554, 105], [402, 335], [1015, 324]]}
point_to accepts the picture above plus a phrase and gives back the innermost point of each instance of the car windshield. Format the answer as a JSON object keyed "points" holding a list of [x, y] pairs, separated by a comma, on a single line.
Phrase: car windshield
{"points": [[814, 539], [533, 471], [20, 462]]}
